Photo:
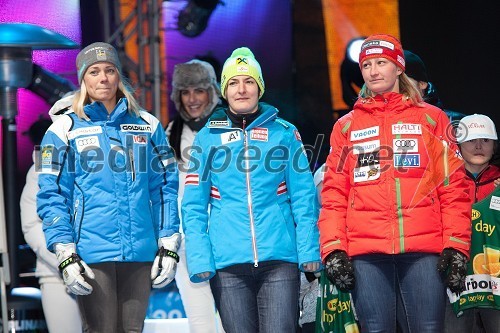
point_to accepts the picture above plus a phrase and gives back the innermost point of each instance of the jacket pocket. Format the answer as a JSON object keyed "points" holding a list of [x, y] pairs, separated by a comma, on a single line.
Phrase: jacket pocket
{"points": [[78, 212]]}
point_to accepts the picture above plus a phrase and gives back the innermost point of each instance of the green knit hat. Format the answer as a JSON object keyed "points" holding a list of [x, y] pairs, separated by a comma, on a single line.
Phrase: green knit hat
{"points": [[241, 62]]}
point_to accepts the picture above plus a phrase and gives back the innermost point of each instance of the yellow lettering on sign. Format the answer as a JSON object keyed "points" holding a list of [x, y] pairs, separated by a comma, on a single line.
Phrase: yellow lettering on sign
{"points": [[484, 227]]}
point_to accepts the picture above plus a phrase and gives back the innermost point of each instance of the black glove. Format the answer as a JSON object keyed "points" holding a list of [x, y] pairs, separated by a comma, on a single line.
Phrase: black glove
{"points": [[340, 271], [455, 264]]}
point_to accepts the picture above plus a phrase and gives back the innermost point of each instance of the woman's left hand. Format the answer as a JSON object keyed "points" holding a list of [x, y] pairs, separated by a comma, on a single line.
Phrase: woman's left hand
{"points": [[310, 266]]}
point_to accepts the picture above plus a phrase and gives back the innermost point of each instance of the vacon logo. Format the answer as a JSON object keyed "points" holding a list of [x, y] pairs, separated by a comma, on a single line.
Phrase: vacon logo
{"points": [[365, 133]]}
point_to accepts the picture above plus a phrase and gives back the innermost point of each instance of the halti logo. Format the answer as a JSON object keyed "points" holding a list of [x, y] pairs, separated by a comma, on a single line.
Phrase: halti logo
{"points": [[365, 133], [407, 160], [406, 129]]}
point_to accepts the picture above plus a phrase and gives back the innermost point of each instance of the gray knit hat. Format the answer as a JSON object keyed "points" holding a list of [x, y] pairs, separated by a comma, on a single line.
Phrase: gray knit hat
{"points": [[96, 52], [197, 74]]}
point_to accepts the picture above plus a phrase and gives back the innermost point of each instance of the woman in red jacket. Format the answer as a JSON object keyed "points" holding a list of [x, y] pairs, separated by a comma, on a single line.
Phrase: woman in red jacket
{"points": [[394, 203]]}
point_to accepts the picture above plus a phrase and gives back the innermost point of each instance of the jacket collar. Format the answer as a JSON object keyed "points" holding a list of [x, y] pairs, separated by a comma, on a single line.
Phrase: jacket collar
{"points": [[387, 102], [97, 112], [220, 119], [488, 175]]}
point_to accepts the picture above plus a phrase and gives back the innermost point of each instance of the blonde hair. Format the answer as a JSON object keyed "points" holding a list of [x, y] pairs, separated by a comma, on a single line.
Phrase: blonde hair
{"points": [[82, 98], [406, 87]]}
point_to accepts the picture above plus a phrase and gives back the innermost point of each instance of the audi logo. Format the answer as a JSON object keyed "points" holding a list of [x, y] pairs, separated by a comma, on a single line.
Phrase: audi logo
{"points": [[86, 142], [405, 143]]}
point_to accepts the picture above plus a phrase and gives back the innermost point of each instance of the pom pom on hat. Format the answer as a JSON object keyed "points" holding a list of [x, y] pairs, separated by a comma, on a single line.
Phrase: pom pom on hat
{"points": [[382, 46], [93, 53], [241, 62], [476, 126]]}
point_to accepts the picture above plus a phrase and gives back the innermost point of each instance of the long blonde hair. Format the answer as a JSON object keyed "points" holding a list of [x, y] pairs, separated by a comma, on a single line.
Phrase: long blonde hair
{"points": [[406, 87], [82, 98]]}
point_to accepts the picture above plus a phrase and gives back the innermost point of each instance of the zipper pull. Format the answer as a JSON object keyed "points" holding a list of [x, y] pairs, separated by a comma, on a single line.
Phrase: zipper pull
{"points": [[244, 122]]}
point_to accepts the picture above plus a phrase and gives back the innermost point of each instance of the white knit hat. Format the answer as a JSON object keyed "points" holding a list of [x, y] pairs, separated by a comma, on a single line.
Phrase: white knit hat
{"points": [[476, 126]]}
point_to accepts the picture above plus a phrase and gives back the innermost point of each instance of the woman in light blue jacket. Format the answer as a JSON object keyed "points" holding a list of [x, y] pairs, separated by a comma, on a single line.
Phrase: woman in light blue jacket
{"points": [[250, 167], [108, 197]]}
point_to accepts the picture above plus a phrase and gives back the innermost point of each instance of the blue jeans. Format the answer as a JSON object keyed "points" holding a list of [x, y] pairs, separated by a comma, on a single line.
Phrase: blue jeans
{"points": [[261, 299], [382, 278]]}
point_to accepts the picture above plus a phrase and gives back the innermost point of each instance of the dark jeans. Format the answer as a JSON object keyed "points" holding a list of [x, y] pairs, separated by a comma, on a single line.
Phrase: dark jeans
{"points": [[261, 299], [475, 320], [382, 278], [120, 298]]}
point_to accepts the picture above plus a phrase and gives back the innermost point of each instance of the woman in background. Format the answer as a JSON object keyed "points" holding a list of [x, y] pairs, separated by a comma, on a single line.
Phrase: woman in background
{"points": [[59, 305]]}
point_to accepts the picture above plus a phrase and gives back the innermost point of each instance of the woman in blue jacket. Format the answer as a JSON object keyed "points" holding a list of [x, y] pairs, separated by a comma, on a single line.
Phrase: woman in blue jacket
{"points": [[108, 197], [250, 168]]}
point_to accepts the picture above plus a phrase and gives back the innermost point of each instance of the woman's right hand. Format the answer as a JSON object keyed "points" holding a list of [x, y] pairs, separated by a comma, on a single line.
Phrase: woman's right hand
{"points": [[203, 275]]}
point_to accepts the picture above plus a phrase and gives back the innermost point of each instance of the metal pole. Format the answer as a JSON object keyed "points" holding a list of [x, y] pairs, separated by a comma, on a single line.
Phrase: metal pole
{"points": [[154, 52], [8, 105], [4, 264]]}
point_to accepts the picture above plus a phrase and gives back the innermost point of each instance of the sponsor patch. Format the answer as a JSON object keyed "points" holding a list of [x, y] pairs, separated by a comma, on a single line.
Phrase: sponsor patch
{"points": [[407, 160], [366, 173], [405, 146], [365, 147], [401, 60], [297, 135], [230, 137], [86, 142], [84, 131], [406, 129], [368, 159], [365, 133], [258, 133], [495, 203], [140, 139], [242, 69], [136, 128], [375, 50], [476, 214], [192, 179], [218, 123], [47, 155]]}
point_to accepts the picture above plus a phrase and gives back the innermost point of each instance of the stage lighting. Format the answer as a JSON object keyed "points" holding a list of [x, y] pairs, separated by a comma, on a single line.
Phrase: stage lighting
{"points": [[50, 86], [350, 74], [354, 48], [193, 19]]}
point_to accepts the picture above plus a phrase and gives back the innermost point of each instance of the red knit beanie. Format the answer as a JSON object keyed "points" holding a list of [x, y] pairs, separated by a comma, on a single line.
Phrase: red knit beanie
{"points": [[382, 46]]}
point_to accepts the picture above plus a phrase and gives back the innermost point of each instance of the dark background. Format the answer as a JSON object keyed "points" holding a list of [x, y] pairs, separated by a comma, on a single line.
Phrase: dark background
{"points": [[457, 40]]}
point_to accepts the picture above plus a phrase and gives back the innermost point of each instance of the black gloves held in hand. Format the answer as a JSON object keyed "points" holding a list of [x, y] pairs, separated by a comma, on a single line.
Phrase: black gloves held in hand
{"points": [[339, 270], [455, 263]]}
